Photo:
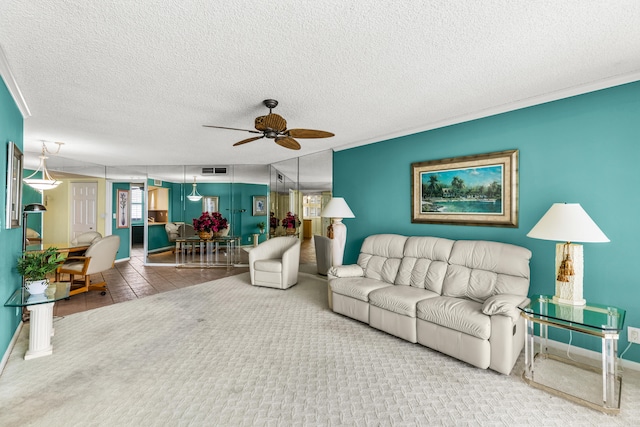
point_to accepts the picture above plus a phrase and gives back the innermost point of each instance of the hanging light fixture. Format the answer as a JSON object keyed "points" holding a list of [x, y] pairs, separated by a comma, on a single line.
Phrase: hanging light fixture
{"points": [[46, 182], [194, 196]]}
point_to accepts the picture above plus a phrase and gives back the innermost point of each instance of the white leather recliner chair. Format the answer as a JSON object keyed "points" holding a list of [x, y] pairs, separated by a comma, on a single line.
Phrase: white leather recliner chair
{"points": [[275, 263], [86, 239]]}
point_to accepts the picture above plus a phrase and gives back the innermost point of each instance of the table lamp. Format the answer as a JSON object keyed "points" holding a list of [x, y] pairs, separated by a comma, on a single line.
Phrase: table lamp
{"points": [[568, 222], [337, 209]]}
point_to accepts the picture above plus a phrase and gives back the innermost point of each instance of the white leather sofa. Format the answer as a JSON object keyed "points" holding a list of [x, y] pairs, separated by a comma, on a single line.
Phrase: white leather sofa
{"points": [[459, 297]]}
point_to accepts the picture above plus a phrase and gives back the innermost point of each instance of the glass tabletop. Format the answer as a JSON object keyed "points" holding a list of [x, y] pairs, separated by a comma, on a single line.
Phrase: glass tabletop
{"points": [[596, 317], [196, 239], [22, 298]]}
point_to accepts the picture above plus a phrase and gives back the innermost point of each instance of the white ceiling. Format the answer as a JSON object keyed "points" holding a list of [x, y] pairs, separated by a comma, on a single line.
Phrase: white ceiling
{"points": [[130, 82]]}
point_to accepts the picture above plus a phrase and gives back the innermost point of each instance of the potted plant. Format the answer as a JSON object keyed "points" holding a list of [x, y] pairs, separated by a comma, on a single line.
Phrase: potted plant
{"points": [[35, 265], [209, 224], [261, 226]]}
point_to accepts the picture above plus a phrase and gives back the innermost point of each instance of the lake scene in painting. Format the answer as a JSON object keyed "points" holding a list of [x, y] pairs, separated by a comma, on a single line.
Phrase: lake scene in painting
{"points": [[469, 190]]}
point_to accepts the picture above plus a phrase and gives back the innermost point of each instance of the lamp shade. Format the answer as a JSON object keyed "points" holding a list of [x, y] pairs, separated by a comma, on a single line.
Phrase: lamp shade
{"points": [[567, 222], [337, 208], [34, 207]]}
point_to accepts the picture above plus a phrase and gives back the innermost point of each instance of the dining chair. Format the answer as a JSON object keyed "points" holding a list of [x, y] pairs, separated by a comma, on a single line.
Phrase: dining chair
{"points": [[99, 257]]}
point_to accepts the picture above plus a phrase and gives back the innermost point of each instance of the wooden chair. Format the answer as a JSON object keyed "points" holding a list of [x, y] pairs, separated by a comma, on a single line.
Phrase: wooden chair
{"points": [[100, 257]]}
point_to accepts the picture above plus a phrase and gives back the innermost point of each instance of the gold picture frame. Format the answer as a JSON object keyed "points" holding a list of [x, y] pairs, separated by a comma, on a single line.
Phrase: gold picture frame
{"points": [[471, 190]]}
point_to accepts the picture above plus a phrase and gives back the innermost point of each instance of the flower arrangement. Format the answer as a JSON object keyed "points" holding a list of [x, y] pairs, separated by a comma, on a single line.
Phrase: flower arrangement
{"points": [[290, 221], [210, 222], [273, 221]]}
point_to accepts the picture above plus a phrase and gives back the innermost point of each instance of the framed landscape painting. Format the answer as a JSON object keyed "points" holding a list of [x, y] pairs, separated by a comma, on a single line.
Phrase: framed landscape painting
{"points": [[470, 190]]}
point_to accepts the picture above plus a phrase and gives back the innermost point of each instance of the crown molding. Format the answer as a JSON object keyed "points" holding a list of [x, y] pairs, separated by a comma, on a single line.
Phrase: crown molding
{"points": [[12, 85], [513, 106]]}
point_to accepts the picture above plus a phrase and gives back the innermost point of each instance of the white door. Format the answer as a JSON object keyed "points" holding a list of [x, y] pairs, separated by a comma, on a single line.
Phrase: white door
{"points": [[84, 197]]}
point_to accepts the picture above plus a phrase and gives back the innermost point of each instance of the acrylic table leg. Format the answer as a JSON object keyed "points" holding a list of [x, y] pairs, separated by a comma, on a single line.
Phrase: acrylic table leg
{"points": [[609, 369], [528, 348]]}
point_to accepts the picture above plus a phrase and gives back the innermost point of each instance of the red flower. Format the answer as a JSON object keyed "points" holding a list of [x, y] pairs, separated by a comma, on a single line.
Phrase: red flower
{"points": [[210, 222], [290, 221]]}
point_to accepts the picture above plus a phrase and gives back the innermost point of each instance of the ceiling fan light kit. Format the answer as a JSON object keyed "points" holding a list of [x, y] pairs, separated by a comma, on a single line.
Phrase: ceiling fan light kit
{"points": [[273, 126]]}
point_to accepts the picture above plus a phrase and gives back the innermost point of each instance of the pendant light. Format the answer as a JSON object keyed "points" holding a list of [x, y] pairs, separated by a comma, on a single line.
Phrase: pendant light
{"points": [[46, 182], [194, 196]]}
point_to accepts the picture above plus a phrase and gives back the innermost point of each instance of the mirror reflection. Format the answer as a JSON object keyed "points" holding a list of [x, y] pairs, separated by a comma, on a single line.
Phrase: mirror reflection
{"points": [[162, 202]]}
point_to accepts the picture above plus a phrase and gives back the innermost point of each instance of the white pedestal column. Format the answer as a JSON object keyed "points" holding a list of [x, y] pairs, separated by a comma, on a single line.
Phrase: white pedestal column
{"points": [[40, 330]]}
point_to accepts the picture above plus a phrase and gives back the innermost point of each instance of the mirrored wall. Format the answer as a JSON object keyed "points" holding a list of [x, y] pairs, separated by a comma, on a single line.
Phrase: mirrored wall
{"points": [[159, 203]]}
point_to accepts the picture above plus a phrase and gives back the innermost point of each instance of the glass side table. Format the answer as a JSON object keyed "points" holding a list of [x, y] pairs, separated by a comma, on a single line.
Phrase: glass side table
{"points": [[602, 321], [41, 316]]}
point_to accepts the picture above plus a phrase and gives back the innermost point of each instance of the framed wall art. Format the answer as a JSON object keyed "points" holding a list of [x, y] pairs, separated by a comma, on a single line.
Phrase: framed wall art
{"points": [[122, 218], [471, 190], [259, 205], [210, 204], [13, 204]]}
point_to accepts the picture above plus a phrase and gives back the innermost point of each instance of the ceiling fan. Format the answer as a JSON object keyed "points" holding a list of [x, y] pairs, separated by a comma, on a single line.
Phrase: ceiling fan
{"points": [[274, 126]]}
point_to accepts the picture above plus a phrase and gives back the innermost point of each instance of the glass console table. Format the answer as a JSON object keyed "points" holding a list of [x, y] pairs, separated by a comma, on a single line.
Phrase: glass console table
{"points": [[601, 321], [196, 252], [41, 316]]}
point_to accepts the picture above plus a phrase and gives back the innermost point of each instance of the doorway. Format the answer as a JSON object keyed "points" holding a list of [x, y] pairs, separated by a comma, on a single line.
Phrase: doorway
{"points": [[84, 215]]}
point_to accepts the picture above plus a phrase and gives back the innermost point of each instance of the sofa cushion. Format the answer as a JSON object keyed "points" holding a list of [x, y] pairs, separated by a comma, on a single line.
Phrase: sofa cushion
{"points": [[399, 299], [356, 287], [380, 256], [480, 269], [455, 313], [424, 263], [270, 265]]}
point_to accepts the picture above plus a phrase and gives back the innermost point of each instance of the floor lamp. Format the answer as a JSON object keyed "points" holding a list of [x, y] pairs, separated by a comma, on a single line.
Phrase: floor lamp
{"points": [[30, 208], [337, 209]]}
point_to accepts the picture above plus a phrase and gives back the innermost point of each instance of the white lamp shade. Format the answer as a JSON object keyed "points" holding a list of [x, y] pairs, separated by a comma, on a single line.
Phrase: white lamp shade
{"points": [[337, 208], [567, 222]]}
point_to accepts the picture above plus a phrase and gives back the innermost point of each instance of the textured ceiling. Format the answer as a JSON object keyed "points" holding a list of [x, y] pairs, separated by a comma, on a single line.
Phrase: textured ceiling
{"points": [[132, 82]]}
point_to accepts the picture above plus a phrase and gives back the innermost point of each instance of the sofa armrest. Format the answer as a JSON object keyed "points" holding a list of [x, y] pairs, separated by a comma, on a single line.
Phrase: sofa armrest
{"points": [[353, 270], [505, 305]]}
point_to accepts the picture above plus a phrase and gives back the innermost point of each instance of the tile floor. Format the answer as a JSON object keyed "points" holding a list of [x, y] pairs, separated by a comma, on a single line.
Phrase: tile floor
{"points": [[132, 279]]}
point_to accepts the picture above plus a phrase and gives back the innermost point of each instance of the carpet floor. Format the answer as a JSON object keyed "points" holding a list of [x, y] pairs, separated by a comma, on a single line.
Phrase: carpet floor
{"points": [[225, 353]]}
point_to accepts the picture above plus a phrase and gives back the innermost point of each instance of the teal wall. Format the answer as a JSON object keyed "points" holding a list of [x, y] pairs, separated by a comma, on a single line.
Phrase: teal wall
{"points": [[236, 205], [582, 149], [10, 130]]}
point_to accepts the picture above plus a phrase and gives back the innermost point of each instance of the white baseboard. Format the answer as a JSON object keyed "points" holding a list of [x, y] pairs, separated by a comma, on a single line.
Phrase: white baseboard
{"points": [[589, 354], [12, 344]]}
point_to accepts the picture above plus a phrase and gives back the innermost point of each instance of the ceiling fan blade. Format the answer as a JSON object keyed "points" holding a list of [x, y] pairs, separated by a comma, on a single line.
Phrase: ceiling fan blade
{"points": [[288, 142], [244, 141], [308, 133], [222, 127]]}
